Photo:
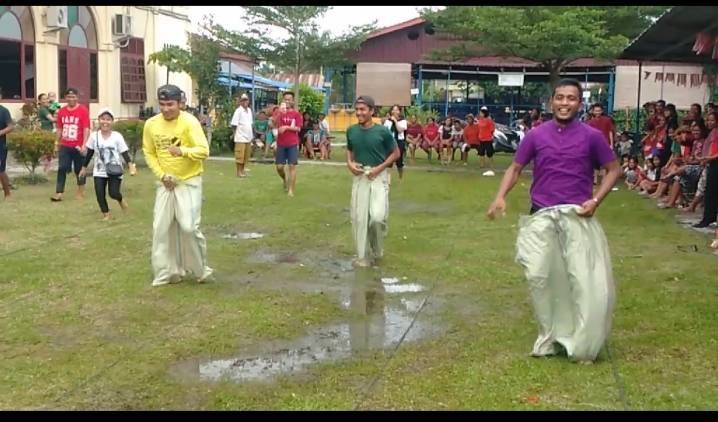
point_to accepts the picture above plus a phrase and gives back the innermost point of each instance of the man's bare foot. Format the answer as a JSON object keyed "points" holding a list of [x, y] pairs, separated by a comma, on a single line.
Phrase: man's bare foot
{"points": [[106, 217], [361, 263], [80, 194], [56, 197], [124, 205], [290, 194]]}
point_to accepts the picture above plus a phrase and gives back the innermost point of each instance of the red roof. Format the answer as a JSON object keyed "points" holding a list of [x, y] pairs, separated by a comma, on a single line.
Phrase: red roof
{"points": [[397, 27]]}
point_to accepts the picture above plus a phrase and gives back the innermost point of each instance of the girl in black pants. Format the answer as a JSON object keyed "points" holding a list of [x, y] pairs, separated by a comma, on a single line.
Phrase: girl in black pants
{"points": [[109, 145], [710, 158]]}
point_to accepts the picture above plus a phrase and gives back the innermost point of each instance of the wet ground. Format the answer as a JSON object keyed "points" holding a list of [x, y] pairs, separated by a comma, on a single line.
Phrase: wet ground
{"points": [[381, 314]]}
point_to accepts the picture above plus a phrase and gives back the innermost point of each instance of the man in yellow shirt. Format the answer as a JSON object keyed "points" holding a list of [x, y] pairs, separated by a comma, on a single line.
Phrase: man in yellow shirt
{"points": [[175, 146]]}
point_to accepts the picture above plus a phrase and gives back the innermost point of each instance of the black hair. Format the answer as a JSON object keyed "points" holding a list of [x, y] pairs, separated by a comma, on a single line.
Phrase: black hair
{"points": [[702, 127], [569, 82], [594, 105], [288, 92], [71, 90], [39, 97], [700, 109], [484, 112], [663, 102]]}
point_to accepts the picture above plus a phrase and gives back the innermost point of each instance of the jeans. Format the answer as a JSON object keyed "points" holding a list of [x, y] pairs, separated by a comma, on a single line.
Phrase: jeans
{"points": [[69, 158], [112, 184]]}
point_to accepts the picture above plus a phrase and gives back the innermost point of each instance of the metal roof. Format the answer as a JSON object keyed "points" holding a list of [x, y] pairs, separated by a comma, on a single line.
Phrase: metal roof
{"points": [[672, 35]]}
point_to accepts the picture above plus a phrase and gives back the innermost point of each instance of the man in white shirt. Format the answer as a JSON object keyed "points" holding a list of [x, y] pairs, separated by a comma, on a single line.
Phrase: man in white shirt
{"points": [[242, 123]]}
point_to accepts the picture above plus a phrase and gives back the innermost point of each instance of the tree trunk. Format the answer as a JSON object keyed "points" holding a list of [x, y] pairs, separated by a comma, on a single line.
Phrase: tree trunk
{"points": [[554, 75]]}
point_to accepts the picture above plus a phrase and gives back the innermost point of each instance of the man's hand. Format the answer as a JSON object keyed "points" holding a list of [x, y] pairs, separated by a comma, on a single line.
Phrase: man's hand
{"points": [[169, 182], [82, 172], [374, 173], [175, 151], [282, 129], [133, 169], [588, 208], [354, 168], [498, 206]]}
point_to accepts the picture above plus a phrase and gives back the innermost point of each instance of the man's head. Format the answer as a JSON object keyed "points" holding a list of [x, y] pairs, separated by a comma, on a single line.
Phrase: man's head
{"points": [[597, 110], [71, 97], [660, 105], [484, 112], [469, 119], [412, 119], [288, 97], [566, 100], [322, 116], [696, 110], [364, 107], [710, 107], [42, 99], [105, 119], [244, 100], [262, 115], [169, 97]]}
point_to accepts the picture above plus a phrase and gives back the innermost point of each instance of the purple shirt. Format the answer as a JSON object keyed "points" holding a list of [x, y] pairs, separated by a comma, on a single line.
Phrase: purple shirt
{"points": [[564, 161]]}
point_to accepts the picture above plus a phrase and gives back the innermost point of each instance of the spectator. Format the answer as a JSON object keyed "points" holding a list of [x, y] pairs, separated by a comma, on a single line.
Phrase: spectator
{"points": [[624, 144], [632, 173], [486, 141], [413, 137], [457, 137], [397, 124], [710, 160], [431, 138], [694, 114], [446, 136], [649, 179]]}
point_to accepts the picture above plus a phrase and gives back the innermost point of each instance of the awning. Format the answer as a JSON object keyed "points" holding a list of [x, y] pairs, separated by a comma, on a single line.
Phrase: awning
{"points": [[673, 35]]}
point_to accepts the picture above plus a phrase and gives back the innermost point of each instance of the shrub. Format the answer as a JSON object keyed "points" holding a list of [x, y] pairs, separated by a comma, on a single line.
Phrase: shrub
{"points": [[28, 146], [310, 101], [131, 130], [222, 137]]}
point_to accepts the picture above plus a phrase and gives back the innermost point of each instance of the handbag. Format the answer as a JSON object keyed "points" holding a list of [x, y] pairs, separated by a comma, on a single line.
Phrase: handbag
{"points": [[112, 169]]}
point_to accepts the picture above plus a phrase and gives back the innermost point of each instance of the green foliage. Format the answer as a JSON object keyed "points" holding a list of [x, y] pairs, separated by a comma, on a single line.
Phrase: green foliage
{"points": [[30, 119], [551, 35], [222, 139], [304, 50], [131, 130], [28, 146], [310, 101], [422, 113]]}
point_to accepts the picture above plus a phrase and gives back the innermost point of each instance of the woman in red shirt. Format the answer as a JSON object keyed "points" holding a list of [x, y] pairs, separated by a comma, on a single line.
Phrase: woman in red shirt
{"points": [[431, 137], [414, 134]]}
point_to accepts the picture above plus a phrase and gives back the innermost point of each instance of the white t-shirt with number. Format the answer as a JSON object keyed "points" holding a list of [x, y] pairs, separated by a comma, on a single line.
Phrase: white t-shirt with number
{"points": [[108, 150]]}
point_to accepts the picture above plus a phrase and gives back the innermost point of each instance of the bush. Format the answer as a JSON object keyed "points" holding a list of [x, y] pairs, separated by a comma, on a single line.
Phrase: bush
{"points": [[131, 130], [310, 101], [28, 146], [222, 138]]}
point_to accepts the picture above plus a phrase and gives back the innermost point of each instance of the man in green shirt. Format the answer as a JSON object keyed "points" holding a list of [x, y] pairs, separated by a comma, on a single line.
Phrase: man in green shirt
{"points": [[371, 149]]}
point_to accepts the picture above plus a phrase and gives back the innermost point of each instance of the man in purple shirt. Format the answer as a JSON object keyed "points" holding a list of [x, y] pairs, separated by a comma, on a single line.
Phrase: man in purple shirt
{"points": [[565, 153]]}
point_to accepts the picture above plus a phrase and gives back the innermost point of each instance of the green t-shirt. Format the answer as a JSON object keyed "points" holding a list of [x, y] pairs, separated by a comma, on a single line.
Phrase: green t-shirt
{"points": [[261, 126], [371, 146], [54, 106], [45, 122], [676, 147]]}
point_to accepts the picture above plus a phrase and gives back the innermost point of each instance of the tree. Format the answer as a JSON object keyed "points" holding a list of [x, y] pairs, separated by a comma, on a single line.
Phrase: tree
{"points": [[551, 35], [201, 62], [304, 49], [310, 101]]}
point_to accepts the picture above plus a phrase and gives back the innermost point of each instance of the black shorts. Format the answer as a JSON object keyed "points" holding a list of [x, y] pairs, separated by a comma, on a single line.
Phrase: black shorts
{"points": [[487, 149], [3, 156]]}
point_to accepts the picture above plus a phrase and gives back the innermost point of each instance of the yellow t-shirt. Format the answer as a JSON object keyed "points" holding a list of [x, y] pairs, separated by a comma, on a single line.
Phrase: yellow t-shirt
{"points": [[185, 132]]}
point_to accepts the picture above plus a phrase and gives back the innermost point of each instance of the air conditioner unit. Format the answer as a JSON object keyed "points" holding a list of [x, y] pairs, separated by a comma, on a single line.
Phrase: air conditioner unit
{"points": [[56, 17], [122, 25]]}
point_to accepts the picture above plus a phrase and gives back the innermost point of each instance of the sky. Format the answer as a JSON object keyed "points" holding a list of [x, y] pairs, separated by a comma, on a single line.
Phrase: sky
{"points": [[335, 20]]}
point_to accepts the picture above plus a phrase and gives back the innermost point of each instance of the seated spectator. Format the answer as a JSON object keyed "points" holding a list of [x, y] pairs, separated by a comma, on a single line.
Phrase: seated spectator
{"points": [[445, 132], [431, 138], [414, 135], [457, 137], [650, 177], [632, 173], [314, 139], [685, 177]]}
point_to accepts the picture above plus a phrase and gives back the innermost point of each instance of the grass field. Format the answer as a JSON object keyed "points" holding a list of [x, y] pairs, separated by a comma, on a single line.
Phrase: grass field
{"points": [[83, 329]]}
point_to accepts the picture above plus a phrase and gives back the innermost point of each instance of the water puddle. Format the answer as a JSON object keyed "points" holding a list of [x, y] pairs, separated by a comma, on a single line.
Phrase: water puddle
{"points": [[243, 236], [375, 322]]}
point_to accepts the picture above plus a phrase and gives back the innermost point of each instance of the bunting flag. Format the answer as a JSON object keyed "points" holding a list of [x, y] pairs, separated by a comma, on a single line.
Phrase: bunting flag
{"points": [[695, 79], [647, 74], [681, 79], [659, 76], [670, 77]]}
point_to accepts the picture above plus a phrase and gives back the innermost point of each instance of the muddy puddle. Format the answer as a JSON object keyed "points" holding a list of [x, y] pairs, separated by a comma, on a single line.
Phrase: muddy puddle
{"points": [[377, 319]]}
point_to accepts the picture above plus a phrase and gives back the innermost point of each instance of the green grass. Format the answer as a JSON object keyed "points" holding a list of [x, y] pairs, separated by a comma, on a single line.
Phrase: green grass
{"points": [[83, 329]]}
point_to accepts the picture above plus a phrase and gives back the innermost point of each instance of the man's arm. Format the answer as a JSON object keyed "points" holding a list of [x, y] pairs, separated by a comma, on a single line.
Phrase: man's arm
{"points": [[148, 149], [199, 147], [507, 183], [351, 165], [10, 125]]}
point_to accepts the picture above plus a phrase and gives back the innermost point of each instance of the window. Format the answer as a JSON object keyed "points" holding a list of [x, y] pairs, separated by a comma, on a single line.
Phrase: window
{"points": [[17, 53], [93, 76], [62, 68], [132, 69]]}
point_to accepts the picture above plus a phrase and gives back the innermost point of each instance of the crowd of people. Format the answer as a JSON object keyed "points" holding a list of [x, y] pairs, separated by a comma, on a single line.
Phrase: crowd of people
{"points": [[676, 161]]}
